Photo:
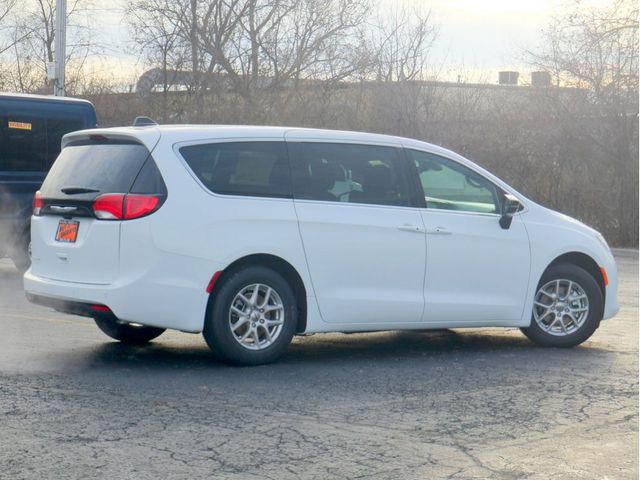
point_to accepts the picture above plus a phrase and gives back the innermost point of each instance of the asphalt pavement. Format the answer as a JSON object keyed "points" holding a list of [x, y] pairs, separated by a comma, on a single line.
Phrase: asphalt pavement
{"points": [[460, 404]]}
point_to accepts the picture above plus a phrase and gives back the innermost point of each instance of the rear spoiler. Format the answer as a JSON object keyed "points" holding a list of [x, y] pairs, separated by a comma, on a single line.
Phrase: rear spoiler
{"points": [[148, 136]]}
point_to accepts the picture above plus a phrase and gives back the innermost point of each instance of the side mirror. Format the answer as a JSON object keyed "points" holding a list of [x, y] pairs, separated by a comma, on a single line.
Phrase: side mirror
{"points": [[510, 206]]}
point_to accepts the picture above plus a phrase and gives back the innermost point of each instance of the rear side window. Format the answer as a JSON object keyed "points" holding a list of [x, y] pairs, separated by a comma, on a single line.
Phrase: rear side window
{"points": [[241, 168], [109, 167], [149, 180], [348, 173], [30, 143], [23, 144]]}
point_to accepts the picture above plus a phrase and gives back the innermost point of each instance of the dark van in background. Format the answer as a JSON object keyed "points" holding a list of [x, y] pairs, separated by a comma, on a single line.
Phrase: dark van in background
{"points": [[31, 127]]}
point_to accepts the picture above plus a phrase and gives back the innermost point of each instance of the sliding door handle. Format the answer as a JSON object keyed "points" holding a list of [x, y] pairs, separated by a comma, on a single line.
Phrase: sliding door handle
{"points": [[438, 231], [411, 228]]}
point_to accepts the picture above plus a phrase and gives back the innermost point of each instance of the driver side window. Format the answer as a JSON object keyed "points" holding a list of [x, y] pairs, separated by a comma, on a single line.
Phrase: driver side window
{"points": [[447, 185]]}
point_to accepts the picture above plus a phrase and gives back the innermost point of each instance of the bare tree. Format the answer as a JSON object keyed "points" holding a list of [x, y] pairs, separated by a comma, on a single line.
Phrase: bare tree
{"points": [[32, 42], [255, 48], [6, 9], [596, 50], [399, 73], [8, 39], [163, 43], [399, 42]]}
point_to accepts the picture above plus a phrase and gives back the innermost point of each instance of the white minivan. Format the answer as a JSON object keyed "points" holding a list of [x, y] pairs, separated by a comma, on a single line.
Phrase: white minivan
{"points": [[254, 234]]}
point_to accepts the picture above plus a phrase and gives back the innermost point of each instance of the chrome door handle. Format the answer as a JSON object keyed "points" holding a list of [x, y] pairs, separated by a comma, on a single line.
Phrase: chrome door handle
{"points": [[438, 231], [411, 228]]}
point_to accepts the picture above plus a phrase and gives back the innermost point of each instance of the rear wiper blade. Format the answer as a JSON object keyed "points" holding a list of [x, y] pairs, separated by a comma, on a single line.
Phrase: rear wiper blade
{"points": [[76, 190]]}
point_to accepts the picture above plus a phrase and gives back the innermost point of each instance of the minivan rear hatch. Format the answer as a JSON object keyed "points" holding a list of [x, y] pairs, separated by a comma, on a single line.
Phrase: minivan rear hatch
{"points": [[73, 239]]}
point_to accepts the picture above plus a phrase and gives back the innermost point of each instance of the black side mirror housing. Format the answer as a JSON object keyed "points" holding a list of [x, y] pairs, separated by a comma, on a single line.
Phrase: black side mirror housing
{"points": [[510, 206]]}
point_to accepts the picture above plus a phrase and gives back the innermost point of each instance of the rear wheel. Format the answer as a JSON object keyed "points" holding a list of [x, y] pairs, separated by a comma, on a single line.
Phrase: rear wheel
{"points": [[567, 308], [252, 318], [127, 332], [20, 252]]}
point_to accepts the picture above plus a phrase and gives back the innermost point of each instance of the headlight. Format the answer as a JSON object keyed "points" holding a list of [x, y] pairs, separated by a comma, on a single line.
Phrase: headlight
{"points": [[603, 242]]}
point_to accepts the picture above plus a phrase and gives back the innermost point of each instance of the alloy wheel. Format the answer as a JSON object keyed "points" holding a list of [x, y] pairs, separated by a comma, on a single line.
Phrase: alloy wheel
{"points": [[561, 307], [256, 316]]}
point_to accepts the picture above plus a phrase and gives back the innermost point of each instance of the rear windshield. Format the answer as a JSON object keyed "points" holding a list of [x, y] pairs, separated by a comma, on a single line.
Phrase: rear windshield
{"points": [[31, 130], [107, 168], [31, 144]]}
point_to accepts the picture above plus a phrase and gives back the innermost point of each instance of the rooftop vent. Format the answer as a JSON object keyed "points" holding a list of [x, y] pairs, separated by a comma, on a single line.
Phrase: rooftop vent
{"points": [[508, 78], [540, 79]]}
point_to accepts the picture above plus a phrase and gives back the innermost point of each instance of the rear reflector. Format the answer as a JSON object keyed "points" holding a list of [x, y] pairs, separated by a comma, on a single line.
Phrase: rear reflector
{"points": [[37, 203], [213, 281], [100, 308], [605, 278], [119, 206]]}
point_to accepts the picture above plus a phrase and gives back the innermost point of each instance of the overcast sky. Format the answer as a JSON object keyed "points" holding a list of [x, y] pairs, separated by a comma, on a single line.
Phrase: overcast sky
{"points": [[479, 37]]}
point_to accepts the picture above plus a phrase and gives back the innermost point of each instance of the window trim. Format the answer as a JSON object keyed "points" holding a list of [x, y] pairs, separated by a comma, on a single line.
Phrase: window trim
{"points": [[210, 141], [409, 170], [417, 192], [404, 171]]}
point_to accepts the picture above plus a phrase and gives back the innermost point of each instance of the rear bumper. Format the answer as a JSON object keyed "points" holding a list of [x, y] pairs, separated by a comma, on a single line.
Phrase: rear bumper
{"points": [[611, 306], [169, 296], [71, 307]]}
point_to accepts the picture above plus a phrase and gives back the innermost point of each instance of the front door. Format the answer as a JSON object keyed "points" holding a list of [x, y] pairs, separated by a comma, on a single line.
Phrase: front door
{"points": [[477, 272]]}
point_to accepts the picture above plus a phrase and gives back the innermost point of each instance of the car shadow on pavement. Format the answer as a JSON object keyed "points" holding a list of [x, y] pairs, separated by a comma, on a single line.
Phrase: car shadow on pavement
{"points": [[423, 345], [344, 349]]}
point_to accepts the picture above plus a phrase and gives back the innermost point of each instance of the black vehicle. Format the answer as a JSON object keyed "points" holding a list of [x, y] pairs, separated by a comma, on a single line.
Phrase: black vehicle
{"points": [[31, 127]]}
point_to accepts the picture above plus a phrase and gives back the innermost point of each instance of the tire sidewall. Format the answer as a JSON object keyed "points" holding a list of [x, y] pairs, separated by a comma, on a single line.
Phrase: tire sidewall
{"points": [[217, 332], [596, 304], [127, 333], [19, 253]]}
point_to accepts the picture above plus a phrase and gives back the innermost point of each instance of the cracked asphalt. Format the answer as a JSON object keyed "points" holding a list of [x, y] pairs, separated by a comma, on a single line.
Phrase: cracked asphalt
{"points": [[460, 404]]}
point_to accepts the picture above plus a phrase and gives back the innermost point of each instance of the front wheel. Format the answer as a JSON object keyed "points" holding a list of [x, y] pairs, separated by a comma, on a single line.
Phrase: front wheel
{"points": [[252, 318], [567, 308], [128, 333]]}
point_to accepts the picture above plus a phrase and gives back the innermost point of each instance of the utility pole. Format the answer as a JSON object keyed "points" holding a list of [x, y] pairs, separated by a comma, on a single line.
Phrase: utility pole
{"points": [[60, 48]]}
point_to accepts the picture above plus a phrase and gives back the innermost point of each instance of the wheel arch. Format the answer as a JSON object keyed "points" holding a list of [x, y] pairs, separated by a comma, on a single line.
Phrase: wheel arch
{"points": [[583, 261], [277, 264]]}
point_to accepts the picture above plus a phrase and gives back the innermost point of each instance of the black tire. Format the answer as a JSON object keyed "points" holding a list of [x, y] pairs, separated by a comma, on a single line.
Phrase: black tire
{"points": [[574, 273], [217, 330], [21, 262], [20, 253], [129, 334]]}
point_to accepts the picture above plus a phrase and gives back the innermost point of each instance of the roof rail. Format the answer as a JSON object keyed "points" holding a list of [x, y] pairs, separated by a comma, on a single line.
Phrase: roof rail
{"points": [[143, 122]]}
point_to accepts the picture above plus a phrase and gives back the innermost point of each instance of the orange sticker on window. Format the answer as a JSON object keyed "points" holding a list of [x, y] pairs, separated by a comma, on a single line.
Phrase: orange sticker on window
{"points": [[20, 125]]}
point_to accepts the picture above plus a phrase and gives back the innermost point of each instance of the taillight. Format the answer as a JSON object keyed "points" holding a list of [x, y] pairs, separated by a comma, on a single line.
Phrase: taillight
{"points": [[38, 203], [100, 308], [136, 206], [109, 206], [119, 206]]}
